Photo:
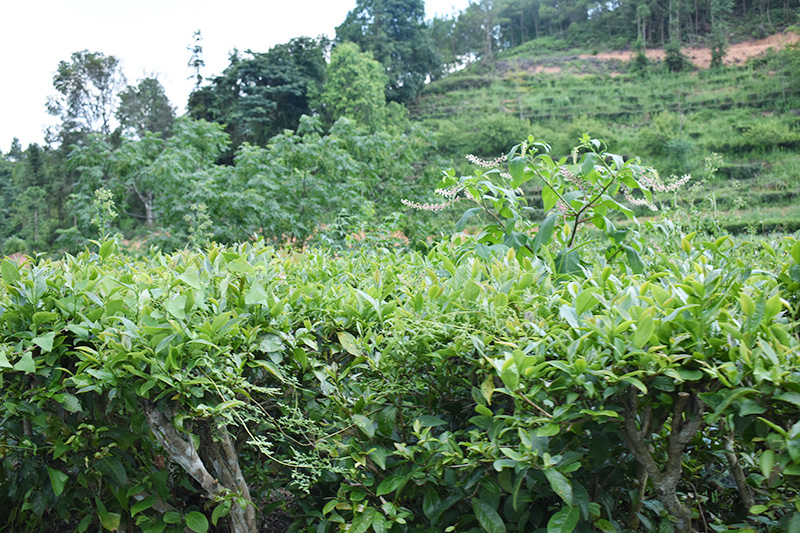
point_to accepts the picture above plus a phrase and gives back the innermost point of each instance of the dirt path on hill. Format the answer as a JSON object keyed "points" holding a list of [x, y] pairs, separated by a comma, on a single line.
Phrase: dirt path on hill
{"points": [[738, 53]]}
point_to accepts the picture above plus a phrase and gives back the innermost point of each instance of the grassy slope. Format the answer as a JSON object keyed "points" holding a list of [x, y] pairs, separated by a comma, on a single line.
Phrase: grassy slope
{"points": [[750, 115]]}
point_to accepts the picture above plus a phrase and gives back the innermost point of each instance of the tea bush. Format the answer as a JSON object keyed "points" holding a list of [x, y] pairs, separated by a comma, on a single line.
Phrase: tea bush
{"points": [[469, 389]]}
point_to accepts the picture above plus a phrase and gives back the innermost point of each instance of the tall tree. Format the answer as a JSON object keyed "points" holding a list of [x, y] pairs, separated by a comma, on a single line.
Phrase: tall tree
{"points": [[196, 61], [15, 152], [145, 107], [354, 88], [394, 31], [8, 198], [481, 21], [720, 11], [261, 94], [87, 88]]}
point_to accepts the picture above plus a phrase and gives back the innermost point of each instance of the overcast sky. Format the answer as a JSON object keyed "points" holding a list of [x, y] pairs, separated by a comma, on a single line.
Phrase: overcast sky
{"points": [[150, 37]]}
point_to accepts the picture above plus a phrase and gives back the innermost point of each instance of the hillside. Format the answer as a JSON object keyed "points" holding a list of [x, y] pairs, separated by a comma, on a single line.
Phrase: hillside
{"points": [[747, 112], [700, 56]]}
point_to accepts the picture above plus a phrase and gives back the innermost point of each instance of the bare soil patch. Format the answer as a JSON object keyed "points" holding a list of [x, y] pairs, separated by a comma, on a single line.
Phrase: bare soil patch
{"points": [[738, 53], [610, 62]]}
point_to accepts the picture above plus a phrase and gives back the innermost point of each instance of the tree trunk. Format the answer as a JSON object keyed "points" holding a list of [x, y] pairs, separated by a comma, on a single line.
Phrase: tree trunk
{"points": [[183, 452], [738, 474], [149, 214], [686, 420]]}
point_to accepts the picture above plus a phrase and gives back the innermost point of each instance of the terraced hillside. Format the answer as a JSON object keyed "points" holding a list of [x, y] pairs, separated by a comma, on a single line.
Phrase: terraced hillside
{"points": [[748, 114]]}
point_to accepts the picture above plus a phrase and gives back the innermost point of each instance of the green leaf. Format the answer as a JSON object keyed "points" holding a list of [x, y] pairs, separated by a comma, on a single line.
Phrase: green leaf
{"points": [[749, 407], [585, 301], [43, 317], [197, 521], [107, 248], [605, 526], [364, 424], [240, 266], [271, 367], [748, 306], [177, 306], [490, 521], [449, 266], [545, 233], [549, 198], [26, 364], [45, 342], [570, 315], [428, 421], [636, 383], [560, 484], [469, 213], [733, 396], [516, 167], [634, 260], [390, 484], [348, 342], [791, 397], [229, 404], [9, 272], [57, 480], [70, 402], [767, 462], [793, 446], [256, 294], [446, 504], [221, 510], [171, 517], [548, 430], [144, 504], [510, 375], [644, 330], [192, 278], [568, 262], [81, 332], [430, 502], [564, 521], [472, 290], [271, 344], [588, 163], [794, 523], [795, 251], [4, 362], [378, 454], [110, 521], [361, 522], [115, 470]]}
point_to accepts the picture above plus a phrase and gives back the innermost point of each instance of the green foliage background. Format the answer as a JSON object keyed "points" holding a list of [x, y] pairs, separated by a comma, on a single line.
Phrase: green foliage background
{"points": [[262, 337]]}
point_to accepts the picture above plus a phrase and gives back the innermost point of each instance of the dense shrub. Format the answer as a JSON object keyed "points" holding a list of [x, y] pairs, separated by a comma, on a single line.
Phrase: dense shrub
{"points": [[488, 136], [493, 384]]}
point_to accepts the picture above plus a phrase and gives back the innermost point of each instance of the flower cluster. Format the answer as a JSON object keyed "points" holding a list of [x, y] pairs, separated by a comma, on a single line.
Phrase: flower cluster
{"points": [[637, 201], [713, 163], [572, 178], [475, 160], [563, 211], [451, 194], [652, 181], [427, 207]]}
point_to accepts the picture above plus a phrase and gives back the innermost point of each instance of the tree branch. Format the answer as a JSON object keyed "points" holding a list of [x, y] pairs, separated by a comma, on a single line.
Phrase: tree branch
{"points": [[184, 452]]}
